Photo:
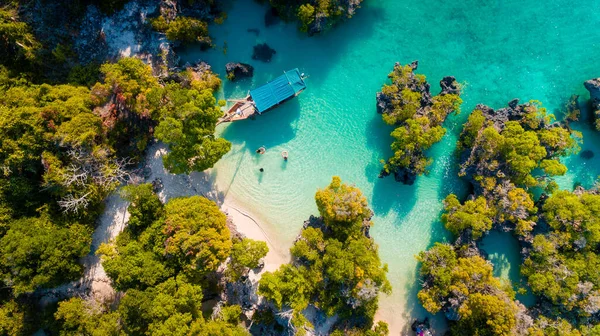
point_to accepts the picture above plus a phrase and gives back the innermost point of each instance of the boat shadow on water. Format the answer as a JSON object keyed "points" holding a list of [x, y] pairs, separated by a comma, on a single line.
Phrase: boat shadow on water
{"points": [[269, 129]]}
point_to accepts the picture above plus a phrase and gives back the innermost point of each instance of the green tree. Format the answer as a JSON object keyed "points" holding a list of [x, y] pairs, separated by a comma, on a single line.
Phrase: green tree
{"points": [[16, 40], [407, 104], [77, 317], [36, 253], [335, 266], [202, 327], [485, 314], [561, 265], [12, 319], [287, 287], [131, 81], [343, 207], [130, 266], [187, 125], [246, 254], [197, 234], [183, 29], [475, 215], [306, 15], [145, 207]]}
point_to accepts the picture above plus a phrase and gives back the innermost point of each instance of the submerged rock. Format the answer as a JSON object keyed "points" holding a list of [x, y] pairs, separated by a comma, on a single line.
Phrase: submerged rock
{"points": [[587, 154], [262, 52], [402, 175], [238, 70], [593, 86]]}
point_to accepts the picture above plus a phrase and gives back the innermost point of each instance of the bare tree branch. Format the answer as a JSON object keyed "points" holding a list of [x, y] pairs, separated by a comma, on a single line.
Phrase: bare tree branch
{"points": [[71, 204]]}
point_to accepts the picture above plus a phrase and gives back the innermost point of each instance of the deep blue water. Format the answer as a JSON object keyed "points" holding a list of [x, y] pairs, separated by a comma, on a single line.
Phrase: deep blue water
{"points": [[499, 50]]}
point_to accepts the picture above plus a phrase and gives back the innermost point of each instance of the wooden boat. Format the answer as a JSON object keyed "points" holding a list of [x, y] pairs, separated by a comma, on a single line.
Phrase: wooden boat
{"points": [[240, 110], [266, 97]]}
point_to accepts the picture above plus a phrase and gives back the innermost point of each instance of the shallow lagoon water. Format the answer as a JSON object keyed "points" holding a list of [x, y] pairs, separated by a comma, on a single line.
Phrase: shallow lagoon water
{"points": [[498, 49]]}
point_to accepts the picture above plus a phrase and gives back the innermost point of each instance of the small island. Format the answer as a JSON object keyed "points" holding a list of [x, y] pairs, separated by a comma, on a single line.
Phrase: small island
{"points": [[407, 104]]}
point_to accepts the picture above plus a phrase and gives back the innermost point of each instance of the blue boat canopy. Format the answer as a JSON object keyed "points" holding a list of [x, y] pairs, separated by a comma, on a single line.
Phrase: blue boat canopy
{"points": [[277, 90]]}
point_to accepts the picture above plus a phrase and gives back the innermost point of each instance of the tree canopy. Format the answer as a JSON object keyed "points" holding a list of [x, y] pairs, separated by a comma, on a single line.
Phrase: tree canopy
{"points": [[335, 267], [463, 286], [407, 104], [37, 253], [561, 265]]}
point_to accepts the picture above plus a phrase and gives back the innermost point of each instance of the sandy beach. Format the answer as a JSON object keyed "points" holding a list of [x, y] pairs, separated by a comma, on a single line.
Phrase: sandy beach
{"points": [[96, 285], [202, 183]]}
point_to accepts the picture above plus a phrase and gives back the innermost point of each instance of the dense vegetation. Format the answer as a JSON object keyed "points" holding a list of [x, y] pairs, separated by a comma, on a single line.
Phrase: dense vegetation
{"points": [[335, 267], [64, 148], [315, 16], [563, 262], [407, 104], [506, 155], [183, 29], [161, 262], [460, 283]]}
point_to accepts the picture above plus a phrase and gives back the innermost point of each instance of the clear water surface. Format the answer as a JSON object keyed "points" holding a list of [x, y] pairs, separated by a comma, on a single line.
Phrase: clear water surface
{"points": [[500, 50]]}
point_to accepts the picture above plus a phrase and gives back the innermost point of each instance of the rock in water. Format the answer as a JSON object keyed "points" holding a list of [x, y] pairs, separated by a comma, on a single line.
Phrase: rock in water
{"points": [[593, 86], [449, 85], [587, 154], [237, 71], [263, 52]]}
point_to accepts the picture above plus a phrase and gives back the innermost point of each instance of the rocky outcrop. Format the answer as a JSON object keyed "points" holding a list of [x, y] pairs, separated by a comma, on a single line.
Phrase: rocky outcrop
{"points": [[237, 71], [403, 175], [262, 52], [200, 71], [593, 86], [449, 85], [408, 103], [325, 20]]}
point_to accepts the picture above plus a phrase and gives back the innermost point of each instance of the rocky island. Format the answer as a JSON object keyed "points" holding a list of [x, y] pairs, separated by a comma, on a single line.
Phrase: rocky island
{"points": [[407, 104]]}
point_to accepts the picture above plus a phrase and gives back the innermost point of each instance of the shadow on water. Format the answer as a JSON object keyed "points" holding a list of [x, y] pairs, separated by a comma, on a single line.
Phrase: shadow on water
{"points": [[413, 308], [388, 194], [583, 166], [502, 249], [270, 129]]}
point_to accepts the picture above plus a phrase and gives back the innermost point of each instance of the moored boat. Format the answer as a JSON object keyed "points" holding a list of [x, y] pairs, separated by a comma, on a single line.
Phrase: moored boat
{"points": [[266, 97]]}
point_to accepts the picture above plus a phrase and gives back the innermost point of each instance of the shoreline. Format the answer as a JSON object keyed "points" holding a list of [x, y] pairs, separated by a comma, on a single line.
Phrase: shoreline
{"points": [[247, 224]]}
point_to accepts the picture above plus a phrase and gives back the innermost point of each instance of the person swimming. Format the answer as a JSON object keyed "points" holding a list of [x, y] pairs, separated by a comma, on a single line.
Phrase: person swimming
{"points": [[261, 150], [261, 170]]}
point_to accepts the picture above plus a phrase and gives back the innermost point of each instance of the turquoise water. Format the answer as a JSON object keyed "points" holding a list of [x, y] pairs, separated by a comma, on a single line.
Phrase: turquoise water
{"points": [[503, 251], [500, 50]]}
